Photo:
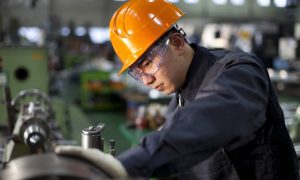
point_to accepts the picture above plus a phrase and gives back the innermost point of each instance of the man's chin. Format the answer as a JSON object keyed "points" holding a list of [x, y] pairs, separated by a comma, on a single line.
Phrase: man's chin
{"points": [[168, 91]]}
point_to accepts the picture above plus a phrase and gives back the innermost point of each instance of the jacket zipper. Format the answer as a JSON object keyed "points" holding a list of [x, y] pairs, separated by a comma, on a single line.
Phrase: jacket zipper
{"points": [[180, 100]]}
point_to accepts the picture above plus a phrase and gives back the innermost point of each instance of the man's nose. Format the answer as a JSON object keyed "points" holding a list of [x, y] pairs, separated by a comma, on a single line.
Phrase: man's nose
{"points": [[148, 79]]}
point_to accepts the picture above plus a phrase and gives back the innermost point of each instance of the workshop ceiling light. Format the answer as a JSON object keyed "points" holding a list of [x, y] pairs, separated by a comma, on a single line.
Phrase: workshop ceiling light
{"points": [[80, 31], [32, 34], [173, 1], [99, 35], [219, 2], [238, 2], [264, 3], [280, 3], [65, 31], [191, 1]]}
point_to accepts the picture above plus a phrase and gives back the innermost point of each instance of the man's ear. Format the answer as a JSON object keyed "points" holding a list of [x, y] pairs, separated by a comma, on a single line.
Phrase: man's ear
{"points": [[177, 40]]}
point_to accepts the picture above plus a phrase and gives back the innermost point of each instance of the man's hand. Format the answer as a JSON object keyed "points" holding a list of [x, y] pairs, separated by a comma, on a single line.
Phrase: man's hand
{"points": [[104, 161]]}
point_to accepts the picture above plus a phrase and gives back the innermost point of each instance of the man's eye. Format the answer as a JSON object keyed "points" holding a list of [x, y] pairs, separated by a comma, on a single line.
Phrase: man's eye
{"points": [[146, 64]]}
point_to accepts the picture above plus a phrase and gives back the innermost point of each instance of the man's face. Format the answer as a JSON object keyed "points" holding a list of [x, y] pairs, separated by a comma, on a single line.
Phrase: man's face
{"points": [[162, 68], [168, 77]]}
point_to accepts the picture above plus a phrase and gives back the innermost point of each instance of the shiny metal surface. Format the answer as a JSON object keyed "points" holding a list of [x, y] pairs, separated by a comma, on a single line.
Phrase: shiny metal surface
{"points": [[34, 135], [91, 137], [33, 95], [31, 124], [112, 147], [51, 166], [34, 128]]}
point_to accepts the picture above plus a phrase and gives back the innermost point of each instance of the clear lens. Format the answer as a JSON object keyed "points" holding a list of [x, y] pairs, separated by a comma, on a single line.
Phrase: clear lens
{"points": [[147, 66], [134, 74]]}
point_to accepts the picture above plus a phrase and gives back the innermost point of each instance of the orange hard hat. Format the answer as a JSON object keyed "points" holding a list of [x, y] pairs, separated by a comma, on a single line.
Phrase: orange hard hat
{"points": [[137, 24]]}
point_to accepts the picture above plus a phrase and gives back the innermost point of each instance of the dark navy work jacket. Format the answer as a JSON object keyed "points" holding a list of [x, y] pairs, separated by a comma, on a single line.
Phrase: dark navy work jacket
{"points": [[225, 123]]}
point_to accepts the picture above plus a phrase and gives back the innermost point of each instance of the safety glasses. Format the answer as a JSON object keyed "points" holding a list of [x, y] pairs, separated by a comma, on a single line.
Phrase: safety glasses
{"points": [[148, 64]]}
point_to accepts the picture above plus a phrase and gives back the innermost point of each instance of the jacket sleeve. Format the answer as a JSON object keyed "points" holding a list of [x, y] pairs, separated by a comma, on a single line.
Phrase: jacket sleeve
{"points": [[229, 105]]}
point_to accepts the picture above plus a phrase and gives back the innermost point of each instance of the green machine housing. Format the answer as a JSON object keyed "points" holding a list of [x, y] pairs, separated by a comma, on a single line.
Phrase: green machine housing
{"points": [[22, 67]]}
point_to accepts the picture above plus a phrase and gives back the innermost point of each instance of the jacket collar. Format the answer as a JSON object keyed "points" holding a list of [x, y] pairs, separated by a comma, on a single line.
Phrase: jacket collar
{"points": [[200, 64]]}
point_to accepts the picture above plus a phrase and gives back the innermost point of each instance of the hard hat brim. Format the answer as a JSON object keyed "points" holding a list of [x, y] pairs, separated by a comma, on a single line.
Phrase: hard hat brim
{"points": [[124, 68]]}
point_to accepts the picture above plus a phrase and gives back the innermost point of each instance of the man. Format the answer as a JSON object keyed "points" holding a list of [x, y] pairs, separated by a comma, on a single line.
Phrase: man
{"points": [[224, 121]]}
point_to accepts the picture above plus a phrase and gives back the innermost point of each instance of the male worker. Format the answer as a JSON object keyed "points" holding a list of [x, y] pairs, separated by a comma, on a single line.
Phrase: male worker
{"points": [[224, 121]]}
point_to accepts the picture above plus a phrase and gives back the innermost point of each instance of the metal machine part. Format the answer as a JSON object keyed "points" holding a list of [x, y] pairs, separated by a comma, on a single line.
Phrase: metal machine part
{"points": [[92, 138], [34, 136], [34, 129], [112, 149], [31, 132], [51, 166], [33, 95], [31, 121], [28, 153]]}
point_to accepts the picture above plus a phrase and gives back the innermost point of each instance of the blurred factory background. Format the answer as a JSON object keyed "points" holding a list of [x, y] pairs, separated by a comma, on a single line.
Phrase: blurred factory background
{"points": [[57, 54]]}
